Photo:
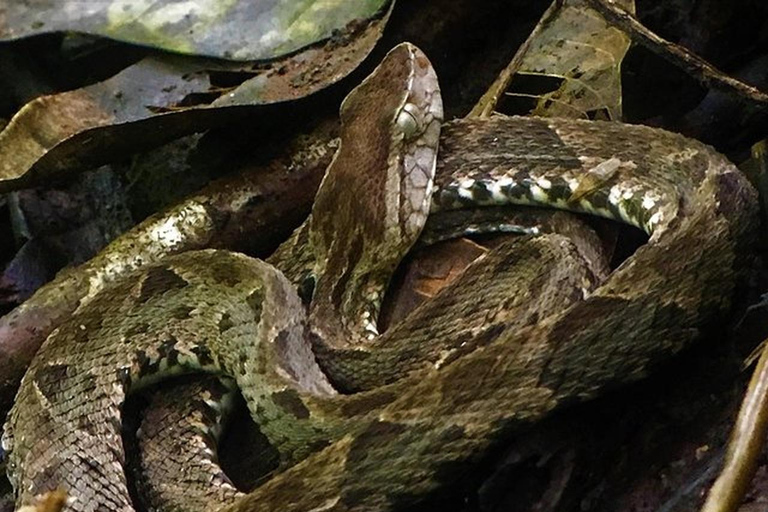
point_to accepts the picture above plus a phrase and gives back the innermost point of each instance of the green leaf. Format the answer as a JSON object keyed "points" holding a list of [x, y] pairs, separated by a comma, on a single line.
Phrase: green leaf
{"points": [[240, 30]]}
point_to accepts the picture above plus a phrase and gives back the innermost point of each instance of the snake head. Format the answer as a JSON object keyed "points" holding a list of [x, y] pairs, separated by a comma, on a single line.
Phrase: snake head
{"points": [[376, 194]]}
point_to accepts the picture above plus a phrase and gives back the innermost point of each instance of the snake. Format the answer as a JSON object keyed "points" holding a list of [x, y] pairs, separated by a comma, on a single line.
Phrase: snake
{"points": [[370, 421]]}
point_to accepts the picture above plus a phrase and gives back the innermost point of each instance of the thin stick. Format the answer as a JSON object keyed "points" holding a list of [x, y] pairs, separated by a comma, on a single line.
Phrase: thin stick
{"points": [[487, 103], [691, 63], [745, 446]]}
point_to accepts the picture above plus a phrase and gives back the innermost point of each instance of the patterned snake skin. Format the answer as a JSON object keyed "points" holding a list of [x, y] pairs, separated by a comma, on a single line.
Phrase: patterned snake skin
{"points": [[437, 390]]}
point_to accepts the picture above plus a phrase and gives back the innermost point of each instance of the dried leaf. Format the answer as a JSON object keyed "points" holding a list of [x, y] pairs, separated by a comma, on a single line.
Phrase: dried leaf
{"points": [[568, 67], [583, 54], [426, 273], [159, 99]]}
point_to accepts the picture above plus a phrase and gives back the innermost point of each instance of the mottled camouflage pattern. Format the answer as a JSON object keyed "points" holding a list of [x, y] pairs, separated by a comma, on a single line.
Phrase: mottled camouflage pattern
{"points": [[423, 431], [465, 376]]}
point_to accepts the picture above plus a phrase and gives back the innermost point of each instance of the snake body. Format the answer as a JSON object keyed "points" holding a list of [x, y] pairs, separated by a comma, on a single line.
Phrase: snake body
{"points": [[441, 387]]}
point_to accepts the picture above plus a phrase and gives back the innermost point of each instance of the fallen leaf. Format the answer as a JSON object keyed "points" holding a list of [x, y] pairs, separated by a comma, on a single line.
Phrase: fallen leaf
{"points": [[243, 30], [161, 98], [580, 55]]}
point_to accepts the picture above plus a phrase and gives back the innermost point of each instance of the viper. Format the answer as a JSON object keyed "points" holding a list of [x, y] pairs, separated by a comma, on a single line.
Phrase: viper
{"points": [[492, 353]]}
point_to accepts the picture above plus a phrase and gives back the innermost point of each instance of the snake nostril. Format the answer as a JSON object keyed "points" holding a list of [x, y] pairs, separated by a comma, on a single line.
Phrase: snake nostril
{"points": [[306, 288]]}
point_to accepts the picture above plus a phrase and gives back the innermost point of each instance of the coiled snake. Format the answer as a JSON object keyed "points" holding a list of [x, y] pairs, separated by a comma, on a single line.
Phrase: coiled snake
{"points": [[440, 388]]}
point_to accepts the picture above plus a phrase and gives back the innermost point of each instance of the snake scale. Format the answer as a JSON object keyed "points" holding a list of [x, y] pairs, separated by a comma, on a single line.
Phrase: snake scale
{"points": [[437, 390]]}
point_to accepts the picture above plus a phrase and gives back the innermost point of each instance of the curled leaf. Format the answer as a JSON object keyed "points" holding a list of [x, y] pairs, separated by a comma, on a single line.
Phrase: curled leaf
{"points": [[161, 98]]}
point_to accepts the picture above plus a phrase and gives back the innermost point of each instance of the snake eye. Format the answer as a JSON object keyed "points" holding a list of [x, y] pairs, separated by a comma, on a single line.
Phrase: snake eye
{"points": [[407, 121]]}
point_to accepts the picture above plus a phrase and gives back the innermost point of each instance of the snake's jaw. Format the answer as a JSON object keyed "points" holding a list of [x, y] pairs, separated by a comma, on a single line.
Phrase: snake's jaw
{"points": [[418, 121]]}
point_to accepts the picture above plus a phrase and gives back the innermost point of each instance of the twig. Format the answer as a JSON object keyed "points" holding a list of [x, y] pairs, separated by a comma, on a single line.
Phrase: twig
{"points": [[689, 62], [487, 103], [745, 446], [760, 176]]}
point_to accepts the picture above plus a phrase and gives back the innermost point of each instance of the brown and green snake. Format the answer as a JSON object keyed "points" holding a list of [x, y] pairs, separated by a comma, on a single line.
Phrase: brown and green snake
{"points": [[493, 352]]}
